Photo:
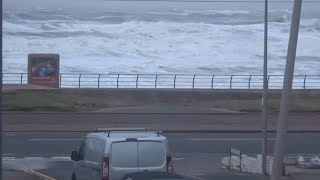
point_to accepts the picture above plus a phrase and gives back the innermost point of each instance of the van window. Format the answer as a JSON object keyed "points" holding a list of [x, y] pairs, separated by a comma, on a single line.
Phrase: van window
{"points": [[151, 153], [94, 150], [124, 154], [81, 153]]}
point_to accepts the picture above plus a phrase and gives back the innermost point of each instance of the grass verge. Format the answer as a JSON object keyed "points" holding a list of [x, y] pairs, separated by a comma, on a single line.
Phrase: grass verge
{"points": [[70, 101]]}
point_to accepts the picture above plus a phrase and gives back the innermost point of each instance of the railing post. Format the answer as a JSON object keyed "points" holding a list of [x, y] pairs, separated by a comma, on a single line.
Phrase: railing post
{"points": [[304, 82], [137, 81], [118, 80], [231, 81], [268, 81], [174, 82], [21, 78], [249, 84], [212, 81], [99, 80], [60, 80], [80, 80], [194, 77], [155, 82]]}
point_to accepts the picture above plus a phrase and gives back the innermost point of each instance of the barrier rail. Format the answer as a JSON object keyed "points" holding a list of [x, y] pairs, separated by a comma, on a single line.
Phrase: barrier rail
{"points": [[177, 81]]}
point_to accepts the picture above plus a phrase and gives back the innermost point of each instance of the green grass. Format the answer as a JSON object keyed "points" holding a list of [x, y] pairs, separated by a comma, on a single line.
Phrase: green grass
{"points": [[58, 101], [27, 101], [254, 105]]}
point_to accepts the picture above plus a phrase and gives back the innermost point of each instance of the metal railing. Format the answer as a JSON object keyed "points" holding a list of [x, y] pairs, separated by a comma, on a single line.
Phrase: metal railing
{"points": [[176, 81]]}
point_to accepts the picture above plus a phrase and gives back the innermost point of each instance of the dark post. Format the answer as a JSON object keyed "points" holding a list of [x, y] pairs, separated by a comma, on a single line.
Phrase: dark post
{"points": [[265, 94], [99, 80], [118, 80], [194, 77], [155, 82], [240, 161], [231, 81], [304, 82], [174, 83], [60, 81], [282, 126], [212, 81], [230, 159], [1, 92], [79, 80], [21, 78], [137, 81], [249, 83]]}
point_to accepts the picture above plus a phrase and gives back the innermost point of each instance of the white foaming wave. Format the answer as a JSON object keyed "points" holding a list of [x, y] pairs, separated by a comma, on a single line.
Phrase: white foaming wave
{"points": [[225, 12], [205, 12], [152, 47]]}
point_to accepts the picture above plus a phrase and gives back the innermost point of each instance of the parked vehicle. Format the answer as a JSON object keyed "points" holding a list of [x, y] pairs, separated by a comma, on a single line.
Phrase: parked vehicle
{"points": [[109, 154], [149, 175]]}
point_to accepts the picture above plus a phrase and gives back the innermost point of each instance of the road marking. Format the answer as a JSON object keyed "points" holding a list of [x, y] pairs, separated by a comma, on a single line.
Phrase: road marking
{"points": [[8, 158], [228, 139], [55, 139], [7, 154], [10, 134], [178, 159], [62, 158], [42, 176]]}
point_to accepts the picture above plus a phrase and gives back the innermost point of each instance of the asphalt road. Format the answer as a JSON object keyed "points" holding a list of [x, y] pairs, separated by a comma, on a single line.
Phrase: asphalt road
{"points": [[194, 153], [55, 144], [161, 121]]}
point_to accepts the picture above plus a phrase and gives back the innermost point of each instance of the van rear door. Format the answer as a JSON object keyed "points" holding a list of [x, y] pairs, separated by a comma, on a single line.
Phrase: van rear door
{"points": [[152, 156], [123, 159]]}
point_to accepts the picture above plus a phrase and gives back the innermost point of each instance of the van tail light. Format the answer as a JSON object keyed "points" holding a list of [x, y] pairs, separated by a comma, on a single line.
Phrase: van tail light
{"points": [[169, 164], [105, 168]]}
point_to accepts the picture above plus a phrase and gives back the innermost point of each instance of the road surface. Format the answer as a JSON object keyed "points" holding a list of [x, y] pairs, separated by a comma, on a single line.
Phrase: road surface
{"points": [[195, 154], [15, 121]]}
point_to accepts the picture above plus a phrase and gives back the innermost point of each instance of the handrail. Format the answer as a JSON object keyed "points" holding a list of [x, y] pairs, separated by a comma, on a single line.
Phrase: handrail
{"points": [[186, 81]]}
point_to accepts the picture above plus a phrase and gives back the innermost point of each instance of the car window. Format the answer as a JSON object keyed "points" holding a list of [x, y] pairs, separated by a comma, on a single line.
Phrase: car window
{"points": [[124, 154], [94, 150], [151, 153], [82, 150]]}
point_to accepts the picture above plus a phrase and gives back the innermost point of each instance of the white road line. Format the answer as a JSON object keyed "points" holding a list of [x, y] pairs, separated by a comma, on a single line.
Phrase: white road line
{"points": [[7, 154], [61, 158], [55, 139], [178, 159], [228, 139], [8, 158]]}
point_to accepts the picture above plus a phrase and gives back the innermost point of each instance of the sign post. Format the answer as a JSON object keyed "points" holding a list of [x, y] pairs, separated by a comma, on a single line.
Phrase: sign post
{"points": [[1, 91], [235, 152], [282, 127], [265, 93]]}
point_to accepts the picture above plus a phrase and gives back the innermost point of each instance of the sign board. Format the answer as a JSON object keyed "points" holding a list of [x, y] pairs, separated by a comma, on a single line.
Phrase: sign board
{"points": [[43, 69], [235, 151]]}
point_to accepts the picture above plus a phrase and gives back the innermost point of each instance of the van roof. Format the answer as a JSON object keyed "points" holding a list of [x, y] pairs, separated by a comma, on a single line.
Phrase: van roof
{"points": [[127, 134]]}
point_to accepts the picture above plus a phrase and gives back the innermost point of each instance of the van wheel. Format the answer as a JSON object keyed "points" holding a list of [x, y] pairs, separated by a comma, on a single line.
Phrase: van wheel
{"points": [[74, 177]]}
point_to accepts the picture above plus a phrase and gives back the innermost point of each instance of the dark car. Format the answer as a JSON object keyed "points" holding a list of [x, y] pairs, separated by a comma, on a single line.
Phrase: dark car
{"points": [[149, 175]]}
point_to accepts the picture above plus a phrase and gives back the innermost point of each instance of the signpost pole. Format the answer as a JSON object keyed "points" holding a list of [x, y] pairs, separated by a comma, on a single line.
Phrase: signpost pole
{"points": [[277, 165], [265, 93], [1, 131]]}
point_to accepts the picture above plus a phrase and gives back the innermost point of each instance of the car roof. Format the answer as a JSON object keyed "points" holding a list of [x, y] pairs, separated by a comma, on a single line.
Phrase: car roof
{"points": [[127, 134]]}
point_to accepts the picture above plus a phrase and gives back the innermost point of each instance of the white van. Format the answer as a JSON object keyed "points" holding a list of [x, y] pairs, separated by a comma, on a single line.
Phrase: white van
{"points": [[109, 154]]}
